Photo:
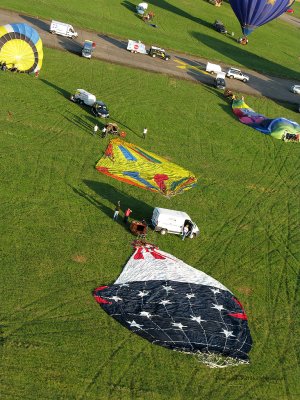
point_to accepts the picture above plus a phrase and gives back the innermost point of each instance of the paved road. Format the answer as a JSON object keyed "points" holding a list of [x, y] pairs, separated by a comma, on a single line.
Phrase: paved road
{"points": [[180, 66]]}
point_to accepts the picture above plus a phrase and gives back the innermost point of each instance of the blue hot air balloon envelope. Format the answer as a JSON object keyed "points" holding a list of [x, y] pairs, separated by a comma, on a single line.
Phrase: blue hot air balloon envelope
{"points": [[254, 13]]}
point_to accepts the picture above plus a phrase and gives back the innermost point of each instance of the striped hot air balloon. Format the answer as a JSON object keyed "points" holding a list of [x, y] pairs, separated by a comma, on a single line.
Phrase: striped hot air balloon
{"points": [[21, 47]]}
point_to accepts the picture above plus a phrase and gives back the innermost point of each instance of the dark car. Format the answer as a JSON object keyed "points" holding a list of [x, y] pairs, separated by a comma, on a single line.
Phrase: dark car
{"points": [[220, 83], [99, 109], [219, 27], [158, 52]]}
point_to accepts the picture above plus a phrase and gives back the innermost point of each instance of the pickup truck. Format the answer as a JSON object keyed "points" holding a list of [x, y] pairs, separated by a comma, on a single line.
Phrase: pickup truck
{"points": [[237, 74]]}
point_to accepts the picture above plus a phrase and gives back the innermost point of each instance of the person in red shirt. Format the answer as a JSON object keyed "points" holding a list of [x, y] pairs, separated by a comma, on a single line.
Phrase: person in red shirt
{"points": [[126, 215]]}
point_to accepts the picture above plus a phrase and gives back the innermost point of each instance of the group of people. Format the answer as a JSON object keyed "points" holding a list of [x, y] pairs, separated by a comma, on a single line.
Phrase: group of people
{"points": [[4, 67], [117, 211], [112, 128]]}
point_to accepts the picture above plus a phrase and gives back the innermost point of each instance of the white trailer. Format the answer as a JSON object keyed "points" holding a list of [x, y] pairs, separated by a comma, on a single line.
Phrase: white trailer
{"points": [[213, 68], [171, 221], [62, 29], [136, 47]]}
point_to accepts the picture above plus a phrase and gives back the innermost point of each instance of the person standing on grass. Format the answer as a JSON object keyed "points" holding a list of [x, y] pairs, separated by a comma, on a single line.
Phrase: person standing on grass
{"points": [[117, 210], [96, 127], [126, 215], [145, 131], [185, 231]]}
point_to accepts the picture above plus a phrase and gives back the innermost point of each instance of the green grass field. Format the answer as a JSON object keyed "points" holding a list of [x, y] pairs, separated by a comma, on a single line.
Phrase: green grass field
{"points": [[184, 25], [59, 241]]}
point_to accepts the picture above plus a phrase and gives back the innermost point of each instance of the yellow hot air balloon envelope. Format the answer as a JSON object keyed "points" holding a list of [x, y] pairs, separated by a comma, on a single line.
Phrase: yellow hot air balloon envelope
{"points": [[131, 164], [21, 47]]}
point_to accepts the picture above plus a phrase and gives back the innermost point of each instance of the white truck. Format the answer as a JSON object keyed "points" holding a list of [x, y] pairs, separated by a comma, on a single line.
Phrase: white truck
{"points": [[62, 29], [98, 108], [171, 221], [136, 47], [213, 68]]}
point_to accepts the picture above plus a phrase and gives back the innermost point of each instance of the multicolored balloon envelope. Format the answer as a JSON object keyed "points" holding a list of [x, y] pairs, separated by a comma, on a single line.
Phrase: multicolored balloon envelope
{"points": [[132, 164], [21, 47], [279, 128], [172, 304], [254, 13]]}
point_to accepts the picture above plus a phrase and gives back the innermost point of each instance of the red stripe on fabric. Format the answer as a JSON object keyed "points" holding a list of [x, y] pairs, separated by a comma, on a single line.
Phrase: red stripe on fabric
{"points": [[105, 170], [100, 299], [242, 315], [239, 315]]}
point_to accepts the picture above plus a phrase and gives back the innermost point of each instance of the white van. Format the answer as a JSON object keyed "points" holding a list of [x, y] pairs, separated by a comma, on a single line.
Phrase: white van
{"points": [[171, 221], [62, 29]]}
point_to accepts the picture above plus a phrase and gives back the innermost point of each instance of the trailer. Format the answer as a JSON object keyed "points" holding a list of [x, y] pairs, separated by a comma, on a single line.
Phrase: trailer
{"points": [[136, 47], [213, 68]]}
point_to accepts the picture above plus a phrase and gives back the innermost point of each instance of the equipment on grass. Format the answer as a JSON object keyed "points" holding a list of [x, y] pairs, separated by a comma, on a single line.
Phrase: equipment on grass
{"points": [[279, 128]]}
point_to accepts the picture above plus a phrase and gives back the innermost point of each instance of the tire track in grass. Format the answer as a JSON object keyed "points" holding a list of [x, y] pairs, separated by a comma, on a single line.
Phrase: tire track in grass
{"points": [[234, 216], [129, 367], [42, 312], [93, 380]]}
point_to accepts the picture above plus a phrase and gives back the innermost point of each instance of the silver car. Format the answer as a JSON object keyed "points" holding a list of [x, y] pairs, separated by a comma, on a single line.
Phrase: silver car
{"points": [[295, 89], [237, 74]]}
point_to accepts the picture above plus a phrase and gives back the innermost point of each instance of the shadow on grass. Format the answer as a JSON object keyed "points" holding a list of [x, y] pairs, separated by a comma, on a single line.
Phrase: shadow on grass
{"points": [[108, 192], [60, 90], [241, 55], [80, 122], [37, 22], [130, 6], [178, 11]]}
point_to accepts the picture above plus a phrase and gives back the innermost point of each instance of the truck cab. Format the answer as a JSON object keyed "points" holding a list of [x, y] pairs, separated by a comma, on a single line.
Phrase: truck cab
{"points": [[172, 221], [100, 109]]}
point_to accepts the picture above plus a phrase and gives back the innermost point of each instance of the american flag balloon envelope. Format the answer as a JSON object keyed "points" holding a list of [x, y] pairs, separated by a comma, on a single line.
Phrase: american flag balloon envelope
{"points": [[174, 305]]}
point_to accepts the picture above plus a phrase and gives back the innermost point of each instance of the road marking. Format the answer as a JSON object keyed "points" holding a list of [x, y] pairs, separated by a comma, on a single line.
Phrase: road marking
{"points": [[184, 65]]}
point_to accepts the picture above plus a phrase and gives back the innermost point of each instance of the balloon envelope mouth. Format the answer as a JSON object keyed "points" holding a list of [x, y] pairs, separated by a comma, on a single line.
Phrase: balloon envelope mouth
{"points": [[19, 52]]}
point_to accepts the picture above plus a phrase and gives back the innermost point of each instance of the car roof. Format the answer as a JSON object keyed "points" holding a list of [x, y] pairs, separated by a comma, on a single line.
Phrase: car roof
{"points": [[174, 213], [157, 48]]}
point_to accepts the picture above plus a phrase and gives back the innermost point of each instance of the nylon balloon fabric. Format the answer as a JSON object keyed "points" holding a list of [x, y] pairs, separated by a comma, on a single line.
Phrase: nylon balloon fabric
{"points": [[21, 47], [254, 13], [131, 164], [279, 128], [174, 305]]}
